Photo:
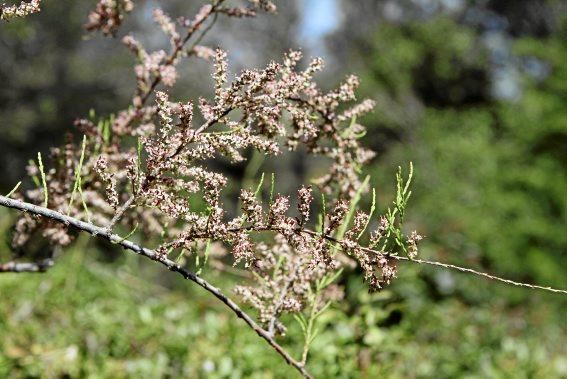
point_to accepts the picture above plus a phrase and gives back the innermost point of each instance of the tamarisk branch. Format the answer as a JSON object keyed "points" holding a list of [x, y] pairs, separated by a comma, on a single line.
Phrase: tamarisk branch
{"points": [[101, 232], [26, 266], [446, 266]]}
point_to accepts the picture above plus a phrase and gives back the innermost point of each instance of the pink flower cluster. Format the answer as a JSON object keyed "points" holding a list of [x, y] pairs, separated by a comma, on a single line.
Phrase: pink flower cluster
{"points": [[24, 9]]}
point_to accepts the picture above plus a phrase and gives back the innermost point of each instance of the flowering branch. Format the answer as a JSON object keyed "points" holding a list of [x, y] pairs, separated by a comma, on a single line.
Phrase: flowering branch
{"points": [[342, 243], [163, 68], [108, 15], [447, 266], [25, 8], [103, 233], [46, 264]]}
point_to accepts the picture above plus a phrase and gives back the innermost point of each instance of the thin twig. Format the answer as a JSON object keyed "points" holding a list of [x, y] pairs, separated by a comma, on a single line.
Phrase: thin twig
{"points": [[41, 266], [479, 273], [153, 255], [120, 212], [444, 265], [279, 304], [14, 189]]}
